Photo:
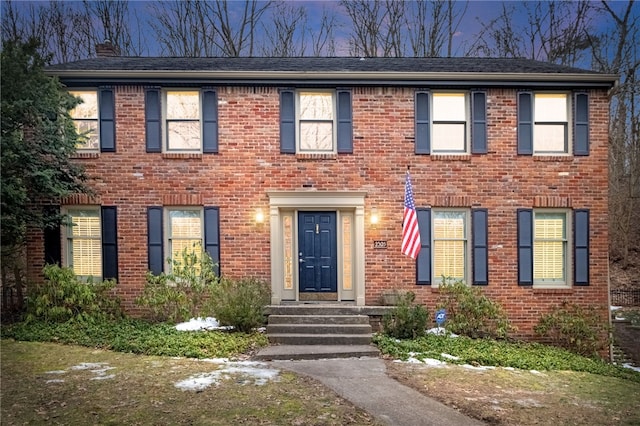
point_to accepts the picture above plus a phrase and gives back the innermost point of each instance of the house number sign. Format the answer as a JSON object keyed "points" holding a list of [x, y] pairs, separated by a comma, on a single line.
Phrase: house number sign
{"points": [[379, 244]]}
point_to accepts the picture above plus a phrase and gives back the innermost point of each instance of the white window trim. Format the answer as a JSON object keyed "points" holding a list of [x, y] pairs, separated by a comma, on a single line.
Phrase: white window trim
{"points": [[334, 149], [165, 127], [568, 261], [436, 281], [167, 229], [97, 93], [66, 257], [467, 126], [568, 136]]}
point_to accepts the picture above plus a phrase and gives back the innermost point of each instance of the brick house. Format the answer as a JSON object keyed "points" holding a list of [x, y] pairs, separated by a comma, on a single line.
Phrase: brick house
{"points": [[293, 170]]}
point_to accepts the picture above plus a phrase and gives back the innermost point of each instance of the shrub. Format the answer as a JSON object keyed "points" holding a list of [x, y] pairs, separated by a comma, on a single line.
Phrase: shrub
{"points": [[240, 303], [406, 320], [580, 330], [182, 293], [64, 297], [471, 313]]}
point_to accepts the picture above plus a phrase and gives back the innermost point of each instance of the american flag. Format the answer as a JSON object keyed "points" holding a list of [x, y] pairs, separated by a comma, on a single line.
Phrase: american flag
{"points": [[410, 231]]}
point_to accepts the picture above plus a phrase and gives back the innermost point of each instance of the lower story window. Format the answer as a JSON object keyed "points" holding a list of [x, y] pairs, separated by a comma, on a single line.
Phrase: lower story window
{"points": [[550, 247], [450, 244], [83, 242], [184, 233]]}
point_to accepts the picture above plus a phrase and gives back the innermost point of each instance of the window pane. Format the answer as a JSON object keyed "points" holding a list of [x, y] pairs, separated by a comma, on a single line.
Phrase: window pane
{"points": [[549, 249], [449, 107], [449, 225], [88, 108], [549, 137], [316, 106], [316, 136], [185, 224], [550, 107], [448, 137], [183, 105], [288, 252], [84, 243], [88, 134], [449, 259], [184, 135], [347, 263]]}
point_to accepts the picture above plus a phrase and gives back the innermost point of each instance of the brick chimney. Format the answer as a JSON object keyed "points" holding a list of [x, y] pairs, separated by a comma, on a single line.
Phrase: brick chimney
{"points": [[107, 49]]}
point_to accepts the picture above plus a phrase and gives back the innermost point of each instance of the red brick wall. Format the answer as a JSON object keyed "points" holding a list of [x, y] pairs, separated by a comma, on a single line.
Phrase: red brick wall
{"points": [[249, 164]]}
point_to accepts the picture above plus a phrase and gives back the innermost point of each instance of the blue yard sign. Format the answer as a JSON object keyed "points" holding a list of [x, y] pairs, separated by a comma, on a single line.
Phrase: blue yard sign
{"points": [[441, 316]]}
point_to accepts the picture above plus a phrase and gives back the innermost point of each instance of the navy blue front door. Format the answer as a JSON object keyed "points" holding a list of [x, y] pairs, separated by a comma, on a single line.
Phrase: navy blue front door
{"points": [[317, 251]]}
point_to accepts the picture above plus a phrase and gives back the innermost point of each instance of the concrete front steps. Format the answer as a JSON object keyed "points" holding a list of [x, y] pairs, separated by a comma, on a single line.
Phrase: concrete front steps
{"points": [[317, 331]]}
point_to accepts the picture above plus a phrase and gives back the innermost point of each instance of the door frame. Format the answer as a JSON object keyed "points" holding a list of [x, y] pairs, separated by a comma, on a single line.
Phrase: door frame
{"points": [[283, 203]]}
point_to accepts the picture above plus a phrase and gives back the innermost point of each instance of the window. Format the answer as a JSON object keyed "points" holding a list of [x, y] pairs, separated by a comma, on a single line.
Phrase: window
{"points": [[549, 247], [183, 131], [184, 232], [85, 118], [449, 124], [550, 129], [316, 112], [181, 120], [316, 121], [83, 242], [449, 230], [172, 230]]}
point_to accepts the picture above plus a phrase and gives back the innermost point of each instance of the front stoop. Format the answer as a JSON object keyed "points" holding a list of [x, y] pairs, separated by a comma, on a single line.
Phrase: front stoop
{"points": [[317, 331]]}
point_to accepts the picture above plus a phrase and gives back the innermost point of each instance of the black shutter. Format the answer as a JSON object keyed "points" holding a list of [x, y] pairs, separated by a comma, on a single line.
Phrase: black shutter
{"points": [[212, 235], [287, 122], [479, 225], [209, 121], [581, 125], [581, 247], [52, 239], [525, 247], [345, 122], [155, 240], [109, 242], [525, 123], [107, 121], [153, 120], [422, 123], [479, 122], [423, 262]]}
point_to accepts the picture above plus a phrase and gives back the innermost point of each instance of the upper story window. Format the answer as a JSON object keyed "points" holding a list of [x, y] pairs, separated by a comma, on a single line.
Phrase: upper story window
{"points": [[183, 129], [181, 120], [83, 244], [450, 122], [85, 118], [551, 123], [316, 121], [316, 114]]}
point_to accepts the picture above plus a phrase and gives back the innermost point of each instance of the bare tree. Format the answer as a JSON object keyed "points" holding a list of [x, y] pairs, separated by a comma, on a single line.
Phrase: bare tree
{"points": [[433, 24], [553, 31], [112, 18], [323, 41], [617, 52], [285, 33], [376, 27]]}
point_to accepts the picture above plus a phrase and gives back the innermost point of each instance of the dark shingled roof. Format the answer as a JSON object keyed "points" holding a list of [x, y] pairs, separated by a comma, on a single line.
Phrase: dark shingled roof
{"points": [[320, 64]]}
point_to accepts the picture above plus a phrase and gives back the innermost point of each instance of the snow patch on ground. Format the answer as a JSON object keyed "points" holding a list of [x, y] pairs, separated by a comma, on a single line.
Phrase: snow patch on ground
{"points": [[198, 324], [440, 331], [98, 369], [250, 372], [632, 367], [452, 357], [478, 368]]}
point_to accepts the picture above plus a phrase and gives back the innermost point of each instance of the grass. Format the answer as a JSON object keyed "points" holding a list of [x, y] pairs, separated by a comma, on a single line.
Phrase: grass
{"points": [[486, 352], [42, 383]]}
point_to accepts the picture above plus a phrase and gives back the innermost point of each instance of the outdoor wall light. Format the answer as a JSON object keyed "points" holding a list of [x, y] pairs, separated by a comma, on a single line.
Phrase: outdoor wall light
{"points": [[259, 216], [375, 218]]}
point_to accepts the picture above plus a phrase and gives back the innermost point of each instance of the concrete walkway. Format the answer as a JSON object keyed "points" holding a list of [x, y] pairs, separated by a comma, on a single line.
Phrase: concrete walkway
{"points": [[364, 382]]}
